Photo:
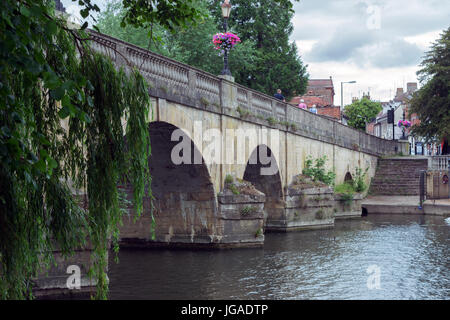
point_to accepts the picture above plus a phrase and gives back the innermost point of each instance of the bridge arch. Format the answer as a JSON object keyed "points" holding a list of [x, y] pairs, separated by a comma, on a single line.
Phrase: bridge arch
{"points": [[348, 178], [266, 181], [184, 203]]}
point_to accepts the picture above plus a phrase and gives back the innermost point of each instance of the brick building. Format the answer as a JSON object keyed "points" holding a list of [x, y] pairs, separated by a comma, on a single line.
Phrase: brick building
{"points": [[320, 93]]}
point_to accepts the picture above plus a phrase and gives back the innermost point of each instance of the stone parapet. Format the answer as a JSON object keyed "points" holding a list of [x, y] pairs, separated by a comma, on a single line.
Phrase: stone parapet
{"points": [[180, 83]]}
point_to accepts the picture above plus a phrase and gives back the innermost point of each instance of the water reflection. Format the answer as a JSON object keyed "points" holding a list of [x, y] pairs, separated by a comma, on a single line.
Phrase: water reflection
{"points": [[411, 251]]}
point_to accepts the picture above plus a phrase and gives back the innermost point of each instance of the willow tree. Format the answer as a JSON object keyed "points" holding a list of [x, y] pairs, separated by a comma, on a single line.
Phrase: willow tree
{"points": [[61, 112]]}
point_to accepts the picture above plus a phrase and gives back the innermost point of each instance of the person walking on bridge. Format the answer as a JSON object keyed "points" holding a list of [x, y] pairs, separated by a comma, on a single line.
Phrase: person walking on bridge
{"points": [[302, 105], [279, 96]]}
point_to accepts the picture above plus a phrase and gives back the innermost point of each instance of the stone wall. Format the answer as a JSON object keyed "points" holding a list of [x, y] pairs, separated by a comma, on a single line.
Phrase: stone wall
{"points": [[191, 87], [52, 283], [307, 207], [345, 208], [242, 216]]}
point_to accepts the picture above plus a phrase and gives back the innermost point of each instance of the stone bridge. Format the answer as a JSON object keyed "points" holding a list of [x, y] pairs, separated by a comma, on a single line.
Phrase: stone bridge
{"points": [[204, 128]]}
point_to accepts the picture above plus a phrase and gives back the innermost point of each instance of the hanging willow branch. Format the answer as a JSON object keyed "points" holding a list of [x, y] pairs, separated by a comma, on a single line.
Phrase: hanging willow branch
{"points": [[61, 113]]}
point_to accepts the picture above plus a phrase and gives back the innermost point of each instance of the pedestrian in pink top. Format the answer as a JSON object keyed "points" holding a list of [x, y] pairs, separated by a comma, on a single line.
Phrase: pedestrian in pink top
{"points": [[302, 104]]}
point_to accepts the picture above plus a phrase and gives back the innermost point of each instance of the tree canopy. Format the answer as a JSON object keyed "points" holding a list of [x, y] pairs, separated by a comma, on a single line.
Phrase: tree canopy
{"points": [[265, 60], [432, 101], [191, 45], [268, 24], [362, 111]]}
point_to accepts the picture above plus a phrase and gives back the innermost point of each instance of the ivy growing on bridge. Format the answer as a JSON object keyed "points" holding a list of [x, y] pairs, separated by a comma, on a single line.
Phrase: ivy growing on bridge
{"points": [[61, 111]]}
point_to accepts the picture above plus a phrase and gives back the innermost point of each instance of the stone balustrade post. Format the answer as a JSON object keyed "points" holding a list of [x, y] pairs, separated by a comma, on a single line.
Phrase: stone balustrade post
{"points": [[192, 81], [249, 99], [274, 108], [120, 56], [228, 94]]}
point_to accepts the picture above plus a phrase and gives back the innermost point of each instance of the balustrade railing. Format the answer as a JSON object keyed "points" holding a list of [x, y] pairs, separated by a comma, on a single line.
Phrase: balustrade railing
{"points": [[197, 84], [439, 163]]}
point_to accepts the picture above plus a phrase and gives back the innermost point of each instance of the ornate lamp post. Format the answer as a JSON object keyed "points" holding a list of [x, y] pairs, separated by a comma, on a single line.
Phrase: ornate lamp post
{"points": [[226, 9]]}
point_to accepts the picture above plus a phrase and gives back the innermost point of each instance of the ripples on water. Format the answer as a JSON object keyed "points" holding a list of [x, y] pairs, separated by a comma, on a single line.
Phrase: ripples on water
{"points": [[411, 251]]}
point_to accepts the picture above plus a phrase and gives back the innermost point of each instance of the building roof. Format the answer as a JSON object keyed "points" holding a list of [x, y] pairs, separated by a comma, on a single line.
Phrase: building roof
{"points": [[326, 83], [330, 111], [319, 101], [318, 93]]}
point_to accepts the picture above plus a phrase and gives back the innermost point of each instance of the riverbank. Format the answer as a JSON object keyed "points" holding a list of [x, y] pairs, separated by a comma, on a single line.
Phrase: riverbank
{"points": [[405, 205]]}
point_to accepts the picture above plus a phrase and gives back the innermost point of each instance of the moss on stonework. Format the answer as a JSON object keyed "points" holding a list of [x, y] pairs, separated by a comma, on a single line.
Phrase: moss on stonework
{"points": [[238, 186], [302, 181]]}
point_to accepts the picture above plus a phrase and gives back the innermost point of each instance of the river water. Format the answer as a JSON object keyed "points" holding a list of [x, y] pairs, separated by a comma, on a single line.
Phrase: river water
{"points": [[409, 255]]}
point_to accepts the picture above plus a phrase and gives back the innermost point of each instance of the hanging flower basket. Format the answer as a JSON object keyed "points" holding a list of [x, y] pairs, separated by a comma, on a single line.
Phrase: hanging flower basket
{"points": [[404, 123], [225, 41]]}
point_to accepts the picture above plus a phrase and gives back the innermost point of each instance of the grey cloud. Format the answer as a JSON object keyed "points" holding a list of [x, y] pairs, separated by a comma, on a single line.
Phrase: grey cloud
{"points": [[318, 18], [351, 40], [365, 48], [341, 45], [387, 54]]}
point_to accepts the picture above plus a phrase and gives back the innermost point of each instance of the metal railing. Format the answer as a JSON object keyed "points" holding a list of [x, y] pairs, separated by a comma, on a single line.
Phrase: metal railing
{"points": [[422, 187]]}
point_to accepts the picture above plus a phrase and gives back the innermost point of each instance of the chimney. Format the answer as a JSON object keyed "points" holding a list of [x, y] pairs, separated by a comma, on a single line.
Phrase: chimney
{"points": [[399, 92], [411, 86]]}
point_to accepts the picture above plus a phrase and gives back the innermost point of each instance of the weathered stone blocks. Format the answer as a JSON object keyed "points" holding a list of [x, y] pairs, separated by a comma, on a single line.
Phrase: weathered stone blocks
{"points": [[241, 214], [348, 207], [53, 282], [308, 206]]}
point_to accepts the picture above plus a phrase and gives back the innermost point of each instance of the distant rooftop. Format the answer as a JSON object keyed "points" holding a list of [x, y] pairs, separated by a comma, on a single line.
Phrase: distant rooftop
{"points": [[326, 83]]}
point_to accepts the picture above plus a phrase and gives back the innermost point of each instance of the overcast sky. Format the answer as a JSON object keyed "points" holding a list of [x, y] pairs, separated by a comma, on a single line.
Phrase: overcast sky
{"points": [[377, 43]]}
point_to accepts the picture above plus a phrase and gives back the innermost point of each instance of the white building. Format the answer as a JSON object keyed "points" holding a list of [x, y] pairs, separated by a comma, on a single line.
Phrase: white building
{"points": [[382, 128]]}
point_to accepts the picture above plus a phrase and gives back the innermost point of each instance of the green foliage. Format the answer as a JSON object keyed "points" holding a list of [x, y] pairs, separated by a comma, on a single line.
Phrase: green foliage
{"points": [[267, 24], [346, 187], [272, 121], [316, 171], [229, 179], [359, 181], [432, 102], [362, 111], [358, 184], [242, 112], [204, 101], [257, 62], [258, 233], [347, 198], [245, 211], [192, 45], [345, 192], [234, 189], [229, 183], [61, 115], [293, 126], [169, 14]]}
